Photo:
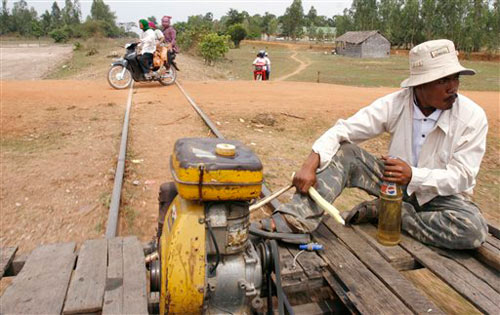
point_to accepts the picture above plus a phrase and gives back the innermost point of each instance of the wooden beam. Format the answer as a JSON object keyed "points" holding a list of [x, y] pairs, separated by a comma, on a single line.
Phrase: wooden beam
{"points": [[86, 290], [362, 286], [135, 300], [399, 285], [395, 255], [440, 293], [319, 308], [6, 258], [493, 241], [16, 265], [468, 261], [41, 285], [489, 255], [462, 280], [113, 296]]}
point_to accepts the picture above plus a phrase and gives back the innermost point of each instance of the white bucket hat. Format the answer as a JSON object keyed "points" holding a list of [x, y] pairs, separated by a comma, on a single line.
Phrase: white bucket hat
{"points": [[432, 60]]}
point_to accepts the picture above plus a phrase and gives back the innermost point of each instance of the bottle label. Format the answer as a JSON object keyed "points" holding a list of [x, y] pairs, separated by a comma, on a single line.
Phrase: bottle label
{"points": [[389, 189]]}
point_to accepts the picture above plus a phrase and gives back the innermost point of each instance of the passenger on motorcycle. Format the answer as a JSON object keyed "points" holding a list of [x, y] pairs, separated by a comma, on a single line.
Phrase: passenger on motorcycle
{"points": [[169, 34], [268, 66], [159, 37], [148, 47]]}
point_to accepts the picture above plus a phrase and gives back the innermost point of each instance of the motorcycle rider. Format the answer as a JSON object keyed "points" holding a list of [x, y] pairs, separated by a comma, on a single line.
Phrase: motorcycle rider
{"points": [[148, 47], [261, 60]]}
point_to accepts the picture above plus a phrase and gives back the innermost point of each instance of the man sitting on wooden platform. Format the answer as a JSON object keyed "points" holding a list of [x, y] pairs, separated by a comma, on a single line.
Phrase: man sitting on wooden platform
{"points": [[438, 142]]}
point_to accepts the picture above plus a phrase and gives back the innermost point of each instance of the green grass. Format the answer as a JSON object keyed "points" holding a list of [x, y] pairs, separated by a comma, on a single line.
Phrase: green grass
{"points": [[335, 69]]}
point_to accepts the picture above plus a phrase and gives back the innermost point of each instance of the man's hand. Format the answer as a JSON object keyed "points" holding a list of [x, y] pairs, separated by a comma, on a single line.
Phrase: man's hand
{"points": [[306, 176], [396, 170]]}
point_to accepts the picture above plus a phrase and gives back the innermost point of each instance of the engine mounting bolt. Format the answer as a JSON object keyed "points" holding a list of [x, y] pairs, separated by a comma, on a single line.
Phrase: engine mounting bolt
{"points": [[201, 221], [201, 290]]}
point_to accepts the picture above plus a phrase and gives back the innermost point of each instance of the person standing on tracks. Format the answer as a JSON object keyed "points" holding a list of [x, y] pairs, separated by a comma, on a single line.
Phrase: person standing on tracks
{"points": [[438, 139], [148, 47]]}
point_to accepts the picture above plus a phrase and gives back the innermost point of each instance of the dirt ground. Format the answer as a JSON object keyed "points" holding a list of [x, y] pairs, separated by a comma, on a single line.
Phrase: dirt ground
{"points": [[30, 62], [60, 142]]}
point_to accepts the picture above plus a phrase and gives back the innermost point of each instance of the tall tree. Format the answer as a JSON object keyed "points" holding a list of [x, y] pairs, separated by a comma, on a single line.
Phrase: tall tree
{"points": [[100, 11], [22, 17], [310, 18], [4, 18], [293, 19], [55, 16], [234, 17], [46, 22], [411, 22], [431, 20], [71, 12], [365, 14], [269, 24], [343, 23], [493, 26]]}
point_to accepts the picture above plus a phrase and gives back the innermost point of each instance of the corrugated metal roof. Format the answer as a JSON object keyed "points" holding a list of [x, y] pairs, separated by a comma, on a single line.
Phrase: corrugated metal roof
{"points": [[356, 37]]}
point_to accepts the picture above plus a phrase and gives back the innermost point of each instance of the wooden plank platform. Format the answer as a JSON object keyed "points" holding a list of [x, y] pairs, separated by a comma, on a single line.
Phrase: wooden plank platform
{"points": [[86, 281], [40, 287], [359, 275]]}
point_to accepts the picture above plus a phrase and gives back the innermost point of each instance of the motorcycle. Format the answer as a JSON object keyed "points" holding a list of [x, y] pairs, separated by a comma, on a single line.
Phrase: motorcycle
{"points": [[259, 73], [126, 69]]}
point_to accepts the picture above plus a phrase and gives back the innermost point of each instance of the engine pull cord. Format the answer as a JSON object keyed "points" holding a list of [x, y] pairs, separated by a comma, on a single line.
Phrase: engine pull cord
{"points": [[283, 303]]}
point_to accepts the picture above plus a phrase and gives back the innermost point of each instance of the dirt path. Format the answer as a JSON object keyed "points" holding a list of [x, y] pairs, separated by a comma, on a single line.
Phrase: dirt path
{"points": [[31, 62], [302, 65]]}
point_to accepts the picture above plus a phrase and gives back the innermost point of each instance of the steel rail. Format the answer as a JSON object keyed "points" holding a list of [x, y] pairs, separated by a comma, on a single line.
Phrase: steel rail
{"points": [[265, 191], [114, 207]]}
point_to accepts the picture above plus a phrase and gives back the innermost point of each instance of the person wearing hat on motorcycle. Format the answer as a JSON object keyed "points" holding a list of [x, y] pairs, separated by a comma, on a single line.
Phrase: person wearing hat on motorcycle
{"points": [[148, 47], [438, 139]]}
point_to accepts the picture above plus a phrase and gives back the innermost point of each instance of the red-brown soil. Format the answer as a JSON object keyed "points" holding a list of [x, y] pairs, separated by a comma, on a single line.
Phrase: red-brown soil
{"points": [[60, 141]]}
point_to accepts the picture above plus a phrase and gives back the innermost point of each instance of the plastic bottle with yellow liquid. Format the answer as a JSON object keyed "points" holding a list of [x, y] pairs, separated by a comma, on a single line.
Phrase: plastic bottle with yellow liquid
{"points": [[389, 214]]}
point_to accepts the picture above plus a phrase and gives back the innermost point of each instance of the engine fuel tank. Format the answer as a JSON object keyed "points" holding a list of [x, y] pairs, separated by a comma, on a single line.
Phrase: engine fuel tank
{"points": [[201, 172]]}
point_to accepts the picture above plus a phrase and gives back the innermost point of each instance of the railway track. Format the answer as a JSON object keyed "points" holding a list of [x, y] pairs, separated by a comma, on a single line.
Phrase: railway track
{"points": [[114, 208]]}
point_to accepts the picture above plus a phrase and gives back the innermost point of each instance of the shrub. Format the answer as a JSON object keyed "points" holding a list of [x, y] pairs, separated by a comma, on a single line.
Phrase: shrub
{"points": [[237, 33], [213, 47], [59, 35]]}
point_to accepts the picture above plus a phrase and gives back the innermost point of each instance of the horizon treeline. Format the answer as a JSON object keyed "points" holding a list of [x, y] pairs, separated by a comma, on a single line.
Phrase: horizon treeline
{"points": [[472, 24], [60, 23]]}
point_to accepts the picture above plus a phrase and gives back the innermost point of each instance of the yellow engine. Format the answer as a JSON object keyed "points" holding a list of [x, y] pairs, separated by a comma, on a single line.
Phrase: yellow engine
{"points": [[206, 261]]}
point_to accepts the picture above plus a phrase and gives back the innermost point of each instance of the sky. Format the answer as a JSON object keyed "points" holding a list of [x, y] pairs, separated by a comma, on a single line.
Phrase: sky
{"points": [[133, 10]]}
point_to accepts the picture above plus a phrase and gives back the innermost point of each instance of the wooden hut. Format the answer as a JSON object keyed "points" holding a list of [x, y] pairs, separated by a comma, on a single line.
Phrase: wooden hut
{"points": [[366, 44]]}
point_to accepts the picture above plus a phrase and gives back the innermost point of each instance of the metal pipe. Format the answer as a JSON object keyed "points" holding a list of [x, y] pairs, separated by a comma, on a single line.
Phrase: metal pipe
{"points": [[265, 192], [114, 206]]}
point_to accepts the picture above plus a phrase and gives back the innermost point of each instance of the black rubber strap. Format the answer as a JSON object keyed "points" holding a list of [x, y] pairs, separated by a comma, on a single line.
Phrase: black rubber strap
{"points": [[285, 237]]}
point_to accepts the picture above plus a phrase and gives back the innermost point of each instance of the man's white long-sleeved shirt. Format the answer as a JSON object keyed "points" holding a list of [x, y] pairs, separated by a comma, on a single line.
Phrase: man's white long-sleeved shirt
{"points": [[148, 41], [450, 156]]}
